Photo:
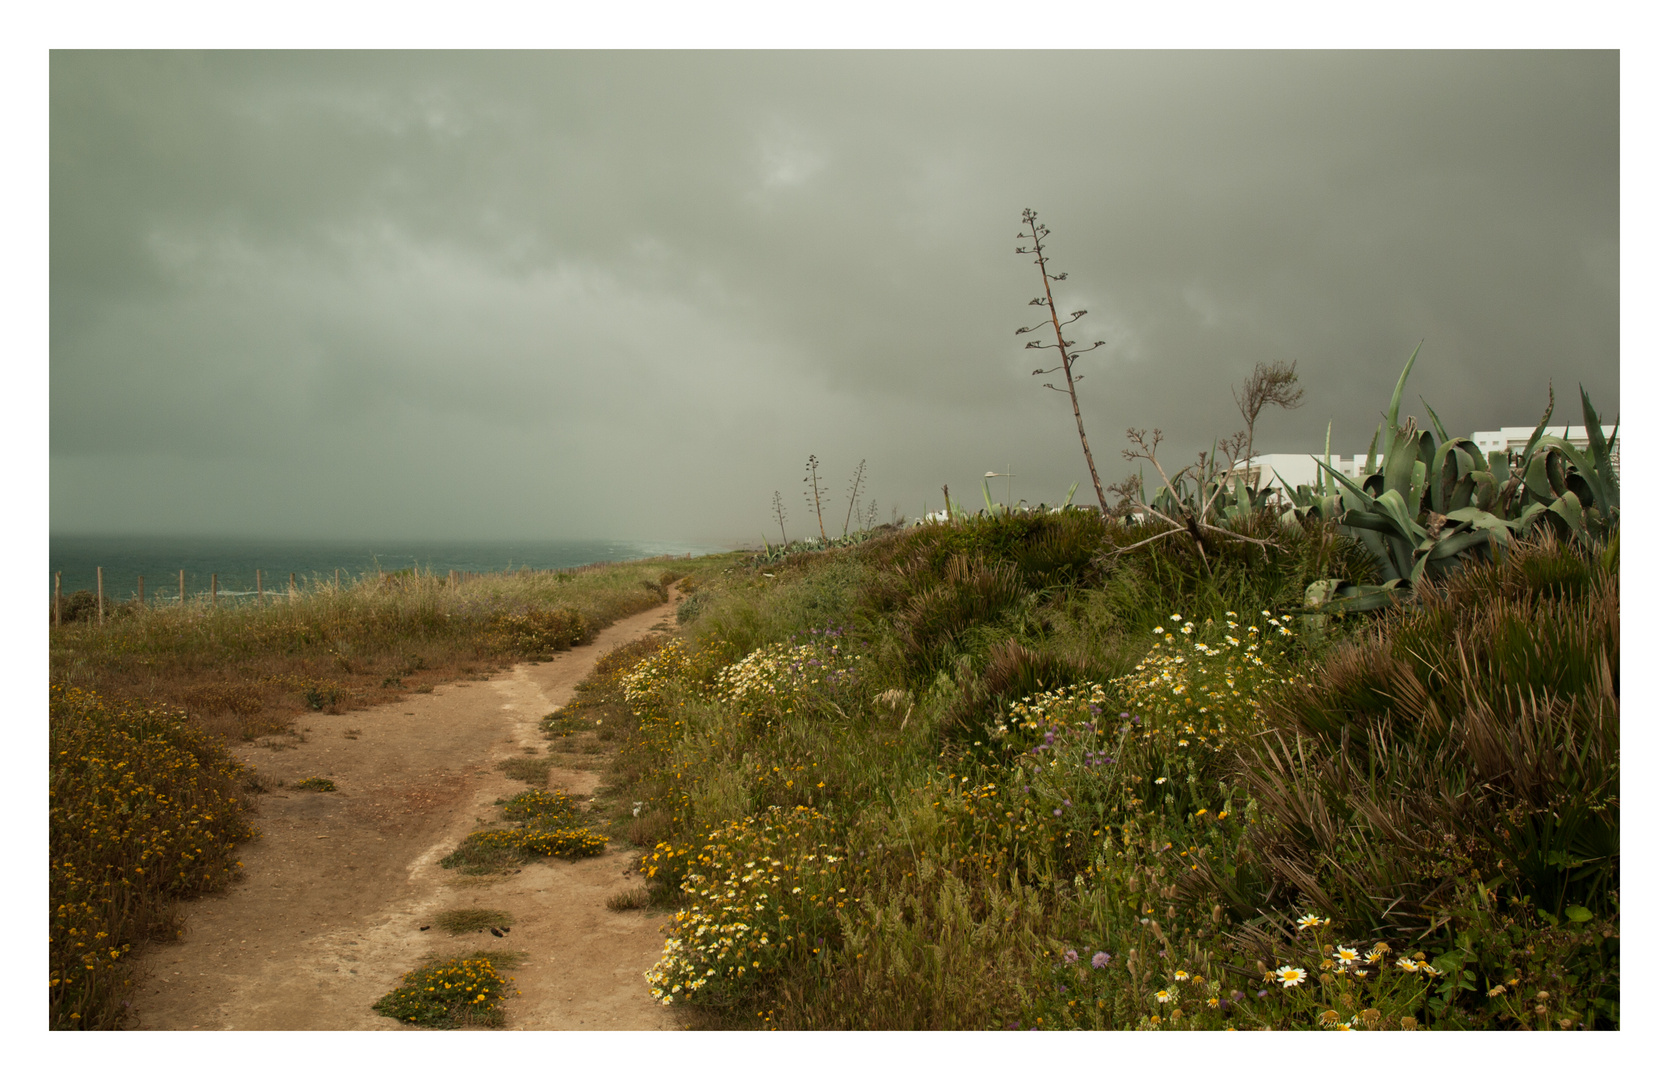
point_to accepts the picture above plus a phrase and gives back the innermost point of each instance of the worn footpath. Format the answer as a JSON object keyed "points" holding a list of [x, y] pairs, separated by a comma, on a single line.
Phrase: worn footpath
{"points": [[329, 911]]}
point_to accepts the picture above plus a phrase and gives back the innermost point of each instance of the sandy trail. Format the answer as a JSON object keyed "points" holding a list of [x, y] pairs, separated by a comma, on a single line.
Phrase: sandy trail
{"points": [[326, 917]]}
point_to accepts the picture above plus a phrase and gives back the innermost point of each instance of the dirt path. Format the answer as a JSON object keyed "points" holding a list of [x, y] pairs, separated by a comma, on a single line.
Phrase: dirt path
{"points": [[326, 917]]}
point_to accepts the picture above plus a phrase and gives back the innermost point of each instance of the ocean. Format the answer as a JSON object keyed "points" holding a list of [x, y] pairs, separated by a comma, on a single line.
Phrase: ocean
{"points": [[234, 561]]}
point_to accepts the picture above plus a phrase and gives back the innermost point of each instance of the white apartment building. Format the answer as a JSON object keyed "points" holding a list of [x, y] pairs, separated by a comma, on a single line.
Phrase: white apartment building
{"points": [[1297, 469]]}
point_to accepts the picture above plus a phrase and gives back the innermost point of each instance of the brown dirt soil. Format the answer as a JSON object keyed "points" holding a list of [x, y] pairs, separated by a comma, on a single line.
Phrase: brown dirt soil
{"points": [[326, 917]]}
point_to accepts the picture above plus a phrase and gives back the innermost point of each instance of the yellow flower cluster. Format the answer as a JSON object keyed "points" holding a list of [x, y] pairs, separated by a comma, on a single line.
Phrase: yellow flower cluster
{"points": [[448, 994], [541, 839], [539, 803], [145, 809], [756, 893]]}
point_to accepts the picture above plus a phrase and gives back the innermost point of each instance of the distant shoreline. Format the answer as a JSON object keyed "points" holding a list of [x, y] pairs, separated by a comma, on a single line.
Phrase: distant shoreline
{"points": [[233, 561]]}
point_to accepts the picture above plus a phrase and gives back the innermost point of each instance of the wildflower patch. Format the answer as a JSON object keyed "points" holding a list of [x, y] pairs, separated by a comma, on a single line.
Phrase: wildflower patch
{"points": [[759, 893], [449, 994]]}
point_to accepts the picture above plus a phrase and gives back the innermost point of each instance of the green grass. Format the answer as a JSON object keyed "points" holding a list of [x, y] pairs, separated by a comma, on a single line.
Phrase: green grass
{"points": [[472, 920], [1039, 780], [245, 669]]}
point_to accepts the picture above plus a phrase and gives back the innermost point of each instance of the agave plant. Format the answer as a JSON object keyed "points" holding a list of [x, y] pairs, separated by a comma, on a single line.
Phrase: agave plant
{"points": [[1434, 498]]}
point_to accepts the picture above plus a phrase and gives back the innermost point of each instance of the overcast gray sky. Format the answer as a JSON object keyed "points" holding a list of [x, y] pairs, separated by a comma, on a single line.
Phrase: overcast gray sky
{"points": [[624, 295]]}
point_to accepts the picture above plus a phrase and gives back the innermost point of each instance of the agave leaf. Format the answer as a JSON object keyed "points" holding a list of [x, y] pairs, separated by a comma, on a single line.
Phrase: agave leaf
{"points": [[1417, 485], [1499, 466], [1400, 457], [1484, 490], [1501, 530], [1428, 451], [1541, 426], [1599, 450], [1391, 422], [1569, 510], [990, 507], [1436, 424], [1458, 541], [1392, 506], [1073, 490], [1350, 486], [1317, 593], [1304, 496], [1327, 455], [1536, 477], [1366, 598]]}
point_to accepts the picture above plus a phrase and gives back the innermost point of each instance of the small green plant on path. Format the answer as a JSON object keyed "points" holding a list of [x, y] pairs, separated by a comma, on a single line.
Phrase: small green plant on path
{"points": [[451, 993], [316, 783], [472, 920]]}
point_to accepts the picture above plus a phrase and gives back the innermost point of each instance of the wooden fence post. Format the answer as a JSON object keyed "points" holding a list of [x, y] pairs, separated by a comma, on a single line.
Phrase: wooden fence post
{"points": [[338, 579], [101, 595], [214, 590], [292, 586], [57, 598], [182, 590], [259, 596]]}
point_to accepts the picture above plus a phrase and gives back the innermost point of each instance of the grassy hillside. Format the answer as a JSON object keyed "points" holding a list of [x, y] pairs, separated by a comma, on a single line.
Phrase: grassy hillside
{"points": [[995, 774]]}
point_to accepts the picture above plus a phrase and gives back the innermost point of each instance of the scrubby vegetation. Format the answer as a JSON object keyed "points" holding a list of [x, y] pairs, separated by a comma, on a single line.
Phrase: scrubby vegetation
{"points": [[146, 809], [242, 670], [452, 993], [1026, 770], [147, 806]]}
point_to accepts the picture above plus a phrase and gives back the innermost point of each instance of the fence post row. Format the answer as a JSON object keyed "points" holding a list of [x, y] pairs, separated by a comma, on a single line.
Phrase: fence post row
{"points": [[57, 598], [101, 595]]}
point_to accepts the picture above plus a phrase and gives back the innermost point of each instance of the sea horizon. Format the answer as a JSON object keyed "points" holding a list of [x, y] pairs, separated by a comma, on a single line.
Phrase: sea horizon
{"points": [[233, 560]]}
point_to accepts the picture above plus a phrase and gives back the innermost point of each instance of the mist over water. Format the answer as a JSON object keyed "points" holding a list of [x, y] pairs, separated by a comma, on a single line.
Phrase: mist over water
{"points": [[160, 560]]}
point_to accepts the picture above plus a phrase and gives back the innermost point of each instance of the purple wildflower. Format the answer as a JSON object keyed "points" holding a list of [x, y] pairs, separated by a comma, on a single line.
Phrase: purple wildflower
{"points": [[1071, 956], [1100, 960]]}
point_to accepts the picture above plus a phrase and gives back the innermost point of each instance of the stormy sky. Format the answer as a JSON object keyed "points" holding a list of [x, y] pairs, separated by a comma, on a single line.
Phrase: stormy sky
{"points": [[625, 295]]}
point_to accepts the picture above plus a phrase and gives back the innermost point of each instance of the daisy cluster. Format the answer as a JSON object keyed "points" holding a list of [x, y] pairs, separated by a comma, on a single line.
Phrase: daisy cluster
{"points": [[647, 682], [1199, 685], [772, 682], [758, 892]]}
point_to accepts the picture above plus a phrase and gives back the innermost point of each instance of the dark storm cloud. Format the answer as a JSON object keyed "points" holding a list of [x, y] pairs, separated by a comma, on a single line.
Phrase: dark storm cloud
{"points": [[627, 294]]}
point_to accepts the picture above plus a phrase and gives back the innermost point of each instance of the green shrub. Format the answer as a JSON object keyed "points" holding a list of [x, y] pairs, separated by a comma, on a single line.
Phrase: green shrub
{"points": [[449, 994], [145, 810]]}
